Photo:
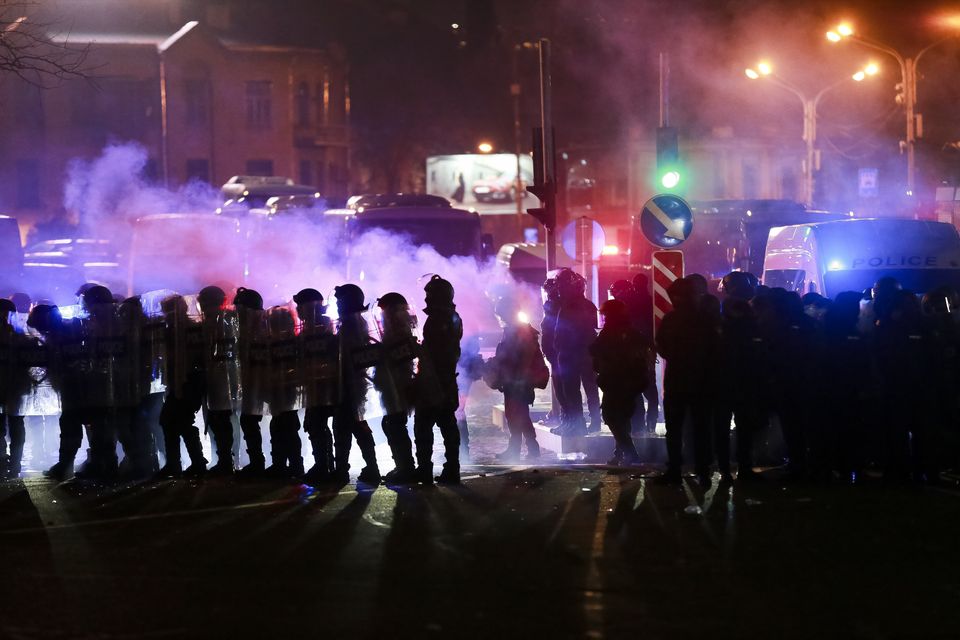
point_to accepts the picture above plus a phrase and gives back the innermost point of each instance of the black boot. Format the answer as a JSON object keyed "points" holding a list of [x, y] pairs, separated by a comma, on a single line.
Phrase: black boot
{"points": [[250, 425], [512, 452], [371, 471]]}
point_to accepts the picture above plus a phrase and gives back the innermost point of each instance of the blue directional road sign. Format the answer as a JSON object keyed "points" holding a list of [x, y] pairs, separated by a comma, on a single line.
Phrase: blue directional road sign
{"points": [[666, 220]]}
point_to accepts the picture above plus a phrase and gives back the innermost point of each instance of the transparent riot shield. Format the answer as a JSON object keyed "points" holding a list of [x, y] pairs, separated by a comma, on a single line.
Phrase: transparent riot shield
{"points": [[107, 349], [133, 364], [220, 331], [253, 352], [180, 355], [358, 352], [34, 355], [394, 369], [285, 393], [319, 357], [152, 337], [72, 363]]}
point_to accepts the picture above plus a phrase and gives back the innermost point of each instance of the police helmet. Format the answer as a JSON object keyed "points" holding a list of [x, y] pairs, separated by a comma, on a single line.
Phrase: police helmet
{"points": [[739, 284], [308, 295], [620, 288], [613, 309], [349, 299], [392, 299], [250, 299], [438, 291], [97, 294], [43, 317], [212, 296]]}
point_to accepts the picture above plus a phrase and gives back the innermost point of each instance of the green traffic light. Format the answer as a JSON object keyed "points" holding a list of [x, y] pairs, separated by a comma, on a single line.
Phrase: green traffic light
{"points": [[670, 179]]}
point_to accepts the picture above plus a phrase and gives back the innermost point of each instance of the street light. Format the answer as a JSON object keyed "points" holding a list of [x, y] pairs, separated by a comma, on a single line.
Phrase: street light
{"points": [[765, 70], [908, 78], [484, 147]]}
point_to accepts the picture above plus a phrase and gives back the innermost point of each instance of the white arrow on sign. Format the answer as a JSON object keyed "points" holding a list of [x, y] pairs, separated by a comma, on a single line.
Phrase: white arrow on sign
{"points": [[674, 227]]}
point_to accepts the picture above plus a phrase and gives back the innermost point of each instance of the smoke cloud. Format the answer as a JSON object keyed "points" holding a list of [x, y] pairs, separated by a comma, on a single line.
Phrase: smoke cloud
{"points": [[277, 256]]}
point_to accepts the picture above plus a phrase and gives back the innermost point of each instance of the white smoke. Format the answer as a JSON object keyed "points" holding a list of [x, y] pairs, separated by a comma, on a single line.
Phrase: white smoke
{"points": [[277, 256]]}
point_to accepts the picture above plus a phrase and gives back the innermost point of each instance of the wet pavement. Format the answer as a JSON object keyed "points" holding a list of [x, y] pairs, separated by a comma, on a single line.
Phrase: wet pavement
{"points": [[559, 550]]}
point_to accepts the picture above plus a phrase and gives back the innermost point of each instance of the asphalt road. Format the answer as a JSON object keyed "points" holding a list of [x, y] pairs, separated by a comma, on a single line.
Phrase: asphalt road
{"points": [[557, 551]]}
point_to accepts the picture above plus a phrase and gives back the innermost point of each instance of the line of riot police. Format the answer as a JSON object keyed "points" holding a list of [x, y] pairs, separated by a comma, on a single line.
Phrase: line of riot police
{"points": [[138, 371], [867, 380]]}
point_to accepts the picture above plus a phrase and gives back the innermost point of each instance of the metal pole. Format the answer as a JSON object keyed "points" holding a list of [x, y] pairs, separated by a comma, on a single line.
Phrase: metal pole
{"points": [[664, 89], [515, 92], [910, 97], [546, 123], [810, 136]]}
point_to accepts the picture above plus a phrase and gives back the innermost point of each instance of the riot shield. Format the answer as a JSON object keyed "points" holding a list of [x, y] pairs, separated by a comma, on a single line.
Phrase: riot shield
{"points": [[253, 352], [72, 364], [220, 364], [393, 373], [108, 351], [318, 358], [32, 358], [152, 337], [358, 352], [133, 364], [182, 341], [284, 379]]}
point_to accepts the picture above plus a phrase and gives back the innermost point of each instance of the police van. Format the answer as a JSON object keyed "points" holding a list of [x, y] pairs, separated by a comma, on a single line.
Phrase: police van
{"points": [[851, 255]]}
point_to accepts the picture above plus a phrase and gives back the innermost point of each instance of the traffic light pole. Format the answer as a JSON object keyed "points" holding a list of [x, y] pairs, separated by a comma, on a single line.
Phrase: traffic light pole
{"points": [[547, 153]]}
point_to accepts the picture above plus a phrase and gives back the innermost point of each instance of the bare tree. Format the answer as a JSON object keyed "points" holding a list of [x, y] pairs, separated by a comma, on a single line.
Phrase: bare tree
{"points": [[35, 48]]}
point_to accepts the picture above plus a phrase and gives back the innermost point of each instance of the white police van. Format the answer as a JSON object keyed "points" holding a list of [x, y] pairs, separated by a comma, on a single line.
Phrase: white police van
{"points": [[851, 255]]}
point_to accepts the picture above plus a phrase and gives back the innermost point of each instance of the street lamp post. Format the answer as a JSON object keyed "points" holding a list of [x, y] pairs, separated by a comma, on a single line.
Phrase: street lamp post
{"points": [[908, 79], [812, 162]]}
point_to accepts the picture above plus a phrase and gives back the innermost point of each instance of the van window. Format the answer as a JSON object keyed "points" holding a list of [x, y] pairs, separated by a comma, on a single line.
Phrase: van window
{"points": [[789, 279]]}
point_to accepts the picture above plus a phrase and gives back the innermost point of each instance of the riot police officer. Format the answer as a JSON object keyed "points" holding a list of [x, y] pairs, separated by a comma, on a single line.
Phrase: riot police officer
{"points": [[575, 331], [393, 380], [686, 340], [319, 366], [621, 355], [221, 373], [253, 358], [517, 369], [436, 383], [184, 393], [354, 342], [283, 397], [101, 335]]}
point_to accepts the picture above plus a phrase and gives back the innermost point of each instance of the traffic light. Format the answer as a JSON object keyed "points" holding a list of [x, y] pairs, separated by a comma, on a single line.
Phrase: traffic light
{"points": [[546, 214], [669, 171]]}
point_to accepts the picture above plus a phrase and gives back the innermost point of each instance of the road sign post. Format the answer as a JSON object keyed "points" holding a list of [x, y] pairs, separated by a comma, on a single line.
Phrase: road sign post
{"points": [[583, 240], [667, 269]]}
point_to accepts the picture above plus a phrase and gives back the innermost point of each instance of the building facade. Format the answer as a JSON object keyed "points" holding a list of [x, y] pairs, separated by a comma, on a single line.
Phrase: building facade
{"points": [[203, 107]]}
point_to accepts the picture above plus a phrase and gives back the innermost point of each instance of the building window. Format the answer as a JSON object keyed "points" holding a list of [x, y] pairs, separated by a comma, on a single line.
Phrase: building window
{"points": [[719, 176], [303, 105], [306, 172], [197, 95], [198, 169], [28, 184], [258, 104], [788, 183], [323, 98], [260, 167]]}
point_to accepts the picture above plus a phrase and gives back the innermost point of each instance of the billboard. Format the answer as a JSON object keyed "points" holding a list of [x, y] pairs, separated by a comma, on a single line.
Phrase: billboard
{"points": [[485, 182]]}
